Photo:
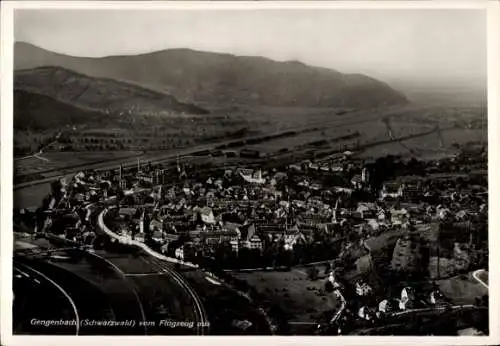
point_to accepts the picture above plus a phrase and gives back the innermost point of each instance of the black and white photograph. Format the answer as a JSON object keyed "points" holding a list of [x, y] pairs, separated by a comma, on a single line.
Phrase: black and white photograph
{"points": [[239, 171]]}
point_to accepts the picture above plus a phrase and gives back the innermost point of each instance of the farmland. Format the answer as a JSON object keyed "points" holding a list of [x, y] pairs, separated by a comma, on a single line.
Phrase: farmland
{"points": [[295, 301], [462, 289], [58, 160], [324, 127]]}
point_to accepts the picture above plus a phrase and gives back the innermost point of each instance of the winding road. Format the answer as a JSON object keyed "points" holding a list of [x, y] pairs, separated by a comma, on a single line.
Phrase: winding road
{"points": [[481, 276]]}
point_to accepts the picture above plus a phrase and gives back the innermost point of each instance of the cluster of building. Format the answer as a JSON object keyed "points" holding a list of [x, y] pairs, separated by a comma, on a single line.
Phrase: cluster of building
{"points": [[291, 208], [301, 203], [282, 207]]}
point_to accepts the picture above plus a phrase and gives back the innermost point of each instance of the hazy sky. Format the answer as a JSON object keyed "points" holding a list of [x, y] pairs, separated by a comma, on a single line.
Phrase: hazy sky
{"points": [[418, 45]]}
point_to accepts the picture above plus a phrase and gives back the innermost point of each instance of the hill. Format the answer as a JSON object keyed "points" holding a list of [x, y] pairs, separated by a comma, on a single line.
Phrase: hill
{"points": [[223, 78], [98, 94], [31, 111]]}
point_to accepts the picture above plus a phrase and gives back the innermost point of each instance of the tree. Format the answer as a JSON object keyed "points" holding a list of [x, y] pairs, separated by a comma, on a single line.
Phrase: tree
{"points": [[312, 273], [329, 287], [328, 267]]}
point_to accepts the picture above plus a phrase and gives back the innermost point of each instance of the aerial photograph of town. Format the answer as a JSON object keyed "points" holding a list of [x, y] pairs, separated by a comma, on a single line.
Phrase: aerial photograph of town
{"points": [[250, 172]]}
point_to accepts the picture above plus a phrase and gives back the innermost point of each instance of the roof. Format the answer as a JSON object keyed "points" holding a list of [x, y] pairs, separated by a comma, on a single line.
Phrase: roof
{"points": [[247, 231], [255, 238], [127, 211], [156, 223], [357, 178], [157, 234], [391, 187], [205, 210], [231, 226], [215, 234]]}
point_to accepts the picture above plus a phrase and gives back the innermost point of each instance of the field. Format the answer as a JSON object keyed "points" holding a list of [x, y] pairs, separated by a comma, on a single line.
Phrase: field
{"points": [[381, 250], [462, 289], [291, 296], [58, 160], [312, 125], [383, 241]]}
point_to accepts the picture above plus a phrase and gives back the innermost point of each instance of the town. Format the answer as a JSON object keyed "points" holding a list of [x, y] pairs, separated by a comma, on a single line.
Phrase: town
{"points": [[380, 234]]}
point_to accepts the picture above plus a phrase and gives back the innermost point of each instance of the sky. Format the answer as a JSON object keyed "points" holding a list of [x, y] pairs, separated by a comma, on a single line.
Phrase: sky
{"points": [[425, 47]]}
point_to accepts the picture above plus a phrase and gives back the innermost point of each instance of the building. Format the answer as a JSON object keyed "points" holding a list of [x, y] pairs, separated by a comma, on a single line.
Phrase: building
{"points": [[367, 210], [363, 289], [235, 245], [365, 175], [170, 238], [179, 253], [141, 223], [157, 236], [391, 190], [399, 216], [139, 237], [385, 306], [255, 243], [357, 182], [214, 238], [255, 179], [407, 298], [291, 237], [207, 215], [156, 225]]}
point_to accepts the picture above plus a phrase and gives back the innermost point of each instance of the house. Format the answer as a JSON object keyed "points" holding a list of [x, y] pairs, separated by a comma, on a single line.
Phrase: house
{"points": [[139, 237], [207, 215], [364, 313], [343, 190], [391, 190], [365, 175], [234, 244], [357, 181], [442, 212], [367, 210], [124, 233], [255, 243], [399, 216], [385, 306], [213, 238], [155, 225], [437, 298], [169, 238], [291, 237], [164, 248], [412, 191], [157, 236], [127, 212], [246, 234], [407, 298], [363, 289], [337, 168], [179, 253], [381, 215]]}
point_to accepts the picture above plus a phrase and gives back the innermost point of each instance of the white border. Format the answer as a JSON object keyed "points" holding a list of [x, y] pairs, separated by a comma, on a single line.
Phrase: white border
{"points": [[7, 9]]}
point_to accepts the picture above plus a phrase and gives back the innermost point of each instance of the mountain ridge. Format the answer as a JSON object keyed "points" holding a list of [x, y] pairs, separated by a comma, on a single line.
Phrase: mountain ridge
{"points": [[223, 78], [97, 94]]}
